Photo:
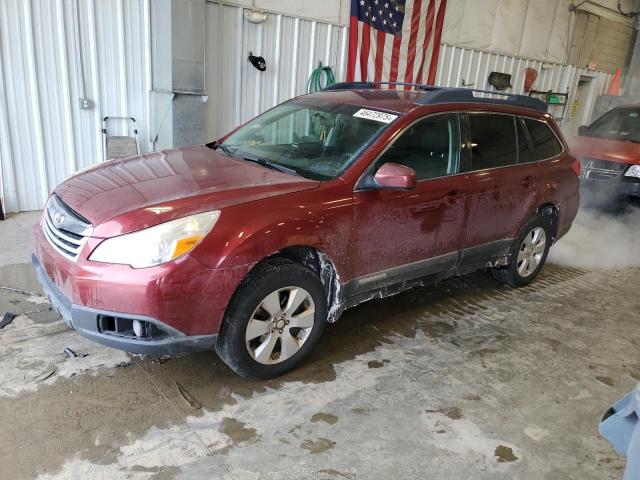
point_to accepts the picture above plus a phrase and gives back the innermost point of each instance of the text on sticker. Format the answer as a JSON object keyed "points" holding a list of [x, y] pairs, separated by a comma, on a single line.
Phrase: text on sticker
{"points": [[375, 115]]}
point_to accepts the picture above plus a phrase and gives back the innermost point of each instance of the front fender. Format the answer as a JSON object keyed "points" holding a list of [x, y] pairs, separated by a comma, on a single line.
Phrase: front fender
{"points": [[248, 233]]}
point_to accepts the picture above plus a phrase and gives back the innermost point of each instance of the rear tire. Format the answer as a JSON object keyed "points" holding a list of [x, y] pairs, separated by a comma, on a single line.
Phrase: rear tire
{"points": [[274, 320], [528, 253]]}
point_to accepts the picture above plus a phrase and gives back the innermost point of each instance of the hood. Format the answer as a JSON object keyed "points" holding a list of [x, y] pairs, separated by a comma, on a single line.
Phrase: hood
{"points": [[619, 151], [124, 195]]}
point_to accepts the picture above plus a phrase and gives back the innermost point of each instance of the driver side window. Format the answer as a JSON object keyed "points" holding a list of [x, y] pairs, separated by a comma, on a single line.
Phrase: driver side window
{"points": [[430, 147]]}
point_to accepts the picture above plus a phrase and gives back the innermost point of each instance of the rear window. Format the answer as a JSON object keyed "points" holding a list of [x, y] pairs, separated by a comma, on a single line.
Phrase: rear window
{"points": [[493, 141], [545, 142]]}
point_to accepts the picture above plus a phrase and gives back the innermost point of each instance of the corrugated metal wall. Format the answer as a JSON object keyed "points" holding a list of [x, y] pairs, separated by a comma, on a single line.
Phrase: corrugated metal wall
{"points": [[465, 67], [292, 48], [53, 52]]}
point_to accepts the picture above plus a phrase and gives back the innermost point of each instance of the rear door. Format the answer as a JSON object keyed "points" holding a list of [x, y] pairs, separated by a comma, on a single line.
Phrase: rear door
{"points": [[559, 182], [405, 234], [504, 181]]}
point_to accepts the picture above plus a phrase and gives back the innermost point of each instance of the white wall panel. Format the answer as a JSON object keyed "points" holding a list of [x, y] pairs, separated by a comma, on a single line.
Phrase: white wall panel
{"points": [[292, 48], [538, 29], [459, 67], [53, 52]]}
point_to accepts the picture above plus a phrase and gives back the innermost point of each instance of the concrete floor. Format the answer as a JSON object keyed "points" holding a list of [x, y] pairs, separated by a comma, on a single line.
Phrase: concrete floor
{"points": [[466, 379]]}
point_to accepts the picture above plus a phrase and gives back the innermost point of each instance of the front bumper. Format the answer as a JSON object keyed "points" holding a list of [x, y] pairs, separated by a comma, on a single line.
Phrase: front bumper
{"points": [[607, 179], [86, 321], [613, 188], [184, 295]]}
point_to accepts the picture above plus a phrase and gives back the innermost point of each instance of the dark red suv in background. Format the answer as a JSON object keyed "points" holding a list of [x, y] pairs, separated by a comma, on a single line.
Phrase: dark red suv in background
{"points": [[609, 150], [250, 244]]}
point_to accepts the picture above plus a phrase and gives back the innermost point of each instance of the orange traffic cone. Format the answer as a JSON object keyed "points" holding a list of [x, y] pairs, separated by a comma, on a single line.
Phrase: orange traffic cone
{"points": [[614, 87]]}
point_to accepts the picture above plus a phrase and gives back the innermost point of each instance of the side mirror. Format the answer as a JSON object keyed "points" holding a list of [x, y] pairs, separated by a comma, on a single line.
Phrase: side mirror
{"points": [[395, 176], [582, 129]]}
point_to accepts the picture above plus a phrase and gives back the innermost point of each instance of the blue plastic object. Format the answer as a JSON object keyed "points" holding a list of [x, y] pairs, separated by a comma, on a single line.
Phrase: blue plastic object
{"points": [[621, 427]]}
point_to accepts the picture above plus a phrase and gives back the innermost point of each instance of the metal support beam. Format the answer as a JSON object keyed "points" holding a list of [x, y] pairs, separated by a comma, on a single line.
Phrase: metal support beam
{"points": [[632, 82], [178, 94]]}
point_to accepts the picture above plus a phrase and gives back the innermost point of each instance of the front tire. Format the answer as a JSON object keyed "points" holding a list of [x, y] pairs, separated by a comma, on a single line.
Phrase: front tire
{"points": [[528, 253], [274, 320]]}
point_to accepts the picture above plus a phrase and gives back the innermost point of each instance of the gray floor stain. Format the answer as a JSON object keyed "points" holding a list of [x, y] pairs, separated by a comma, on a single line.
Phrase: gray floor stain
{"points": [[336, 473], [237, 431], [329, 418], [377, 363], [318, 445], [605, 380], [505, 454]]}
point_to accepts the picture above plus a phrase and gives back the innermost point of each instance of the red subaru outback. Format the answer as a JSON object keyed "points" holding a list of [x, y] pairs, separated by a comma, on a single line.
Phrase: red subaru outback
{"points": [[252, 243]]}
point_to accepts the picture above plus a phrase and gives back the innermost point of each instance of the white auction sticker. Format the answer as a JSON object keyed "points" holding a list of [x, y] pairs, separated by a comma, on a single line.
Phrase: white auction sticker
{"points": [[375, 115]]}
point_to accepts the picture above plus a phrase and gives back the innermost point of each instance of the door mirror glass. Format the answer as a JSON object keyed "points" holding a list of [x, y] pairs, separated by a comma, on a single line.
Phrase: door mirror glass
{"points": [[395, 176]]}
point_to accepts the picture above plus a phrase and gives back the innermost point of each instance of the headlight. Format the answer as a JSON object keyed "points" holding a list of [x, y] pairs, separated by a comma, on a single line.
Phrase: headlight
{"points": [[158, 244], [633, 171]]}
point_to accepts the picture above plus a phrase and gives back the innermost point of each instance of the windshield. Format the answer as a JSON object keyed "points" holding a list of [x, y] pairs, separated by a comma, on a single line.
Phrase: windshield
{"points": [[317, 141], [617, 124]]}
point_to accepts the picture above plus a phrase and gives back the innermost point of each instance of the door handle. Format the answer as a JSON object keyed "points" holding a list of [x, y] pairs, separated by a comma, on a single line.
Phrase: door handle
{"points": [[528, 181]]}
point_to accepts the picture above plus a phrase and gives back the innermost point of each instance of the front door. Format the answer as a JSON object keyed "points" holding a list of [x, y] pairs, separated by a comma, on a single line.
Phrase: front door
{"points": [[401, 235]]}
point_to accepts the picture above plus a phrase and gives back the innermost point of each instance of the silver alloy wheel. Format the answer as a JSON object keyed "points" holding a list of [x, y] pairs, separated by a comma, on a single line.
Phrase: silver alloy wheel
{"points": [[531, 251], [280, 325]]}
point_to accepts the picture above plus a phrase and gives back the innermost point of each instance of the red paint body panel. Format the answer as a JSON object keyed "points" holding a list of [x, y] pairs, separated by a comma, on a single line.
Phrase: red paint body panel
{"points": [[618, 151], [499, 200], [400, 227], [130, 194], [165, 292], [264, 211], [392, 175]]}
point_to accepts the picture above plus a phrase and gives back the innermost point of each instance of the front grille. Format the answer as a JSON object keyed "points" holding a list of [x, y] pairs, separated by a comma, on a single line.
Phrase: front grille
{"points": [[66, 231], [602, 170]]}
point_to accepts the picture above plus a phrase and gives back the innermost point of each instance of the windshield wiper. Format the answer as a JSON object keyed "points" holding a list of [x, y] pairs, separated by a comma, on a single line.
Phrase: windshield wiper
{"points": [[258, 160], [220, 146], [270, 164]]}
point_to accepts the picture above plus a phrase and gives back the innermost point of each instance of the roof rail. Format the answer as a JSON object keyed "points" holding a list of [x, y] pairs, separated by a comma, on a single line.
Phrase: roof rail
{"points": [[435, 95], [371, 85]]}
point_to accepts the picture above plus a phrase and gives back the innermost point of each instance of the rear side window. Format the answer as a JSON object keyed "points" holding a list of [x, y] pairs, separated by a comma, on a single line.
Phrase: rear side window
{"points": [[430, 147], [493, 141], [545, 142]]}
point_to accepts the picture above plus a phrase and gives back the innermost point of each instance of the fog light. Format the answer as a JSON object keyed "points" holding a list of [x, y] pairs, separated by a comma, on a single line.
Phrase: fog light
{"points": [[137, 328]]}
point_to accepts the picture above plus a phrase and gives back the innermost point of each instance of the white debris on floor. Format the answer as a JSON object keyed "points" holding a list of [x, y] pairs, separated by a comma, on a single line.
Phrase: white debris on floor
{"points": [[33, 354]]}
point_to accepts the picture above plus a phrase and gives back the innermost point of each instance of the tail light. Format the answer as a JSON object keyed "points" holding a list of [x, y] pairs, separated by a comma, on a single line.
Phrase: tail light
{"points": [[575, 166]]}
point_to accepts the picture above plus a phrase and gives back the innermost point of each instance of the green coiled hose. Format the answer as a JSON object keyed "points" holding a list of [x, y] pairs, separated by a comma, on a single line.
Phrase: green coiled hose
{"points": [[315, 80]]}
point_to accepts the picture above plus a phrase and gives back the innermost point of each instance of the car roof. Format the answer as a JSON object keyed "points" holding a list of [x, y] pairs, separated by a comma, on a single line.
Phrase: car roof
{"points": [[398, 101], [394, 97]]}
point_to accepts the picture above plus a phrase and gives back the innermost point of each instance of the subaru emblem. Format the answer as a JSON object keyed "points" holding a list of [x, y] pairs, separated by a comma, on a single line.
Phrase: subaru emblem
{"points": [[58, 219]]}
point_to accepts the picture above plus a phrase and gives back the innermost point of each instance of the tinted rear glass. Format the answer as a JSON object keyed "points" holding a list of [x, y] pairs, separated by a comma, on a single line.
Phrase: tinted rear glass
{"points": [[545, 143], [493, 141]]}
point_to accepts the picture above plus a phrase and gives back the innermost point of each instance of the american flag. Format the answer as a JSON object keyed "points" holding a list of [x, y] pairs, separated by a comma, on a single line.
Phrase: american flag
{"points": [[395, 40]]}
